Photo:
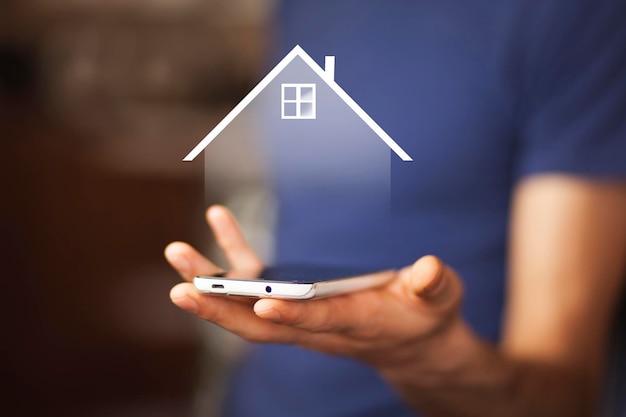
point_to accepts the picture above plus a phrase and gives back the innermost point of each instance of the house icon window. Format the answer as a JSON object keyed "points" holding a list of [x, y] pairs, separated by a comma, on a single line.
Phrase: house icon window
{"points": [[298, 101]]}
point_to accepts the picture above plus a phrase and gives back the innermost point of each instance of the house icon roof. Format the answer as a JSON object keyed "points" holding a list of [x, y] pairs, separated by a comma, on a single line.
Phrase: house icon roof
{"points": [[327, 75]]}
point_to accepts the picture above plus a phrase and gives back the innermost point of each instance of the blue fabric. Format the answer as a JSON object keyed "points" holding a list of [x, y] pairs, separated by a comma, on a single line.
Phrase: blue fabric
{"points": [[481, 94]]}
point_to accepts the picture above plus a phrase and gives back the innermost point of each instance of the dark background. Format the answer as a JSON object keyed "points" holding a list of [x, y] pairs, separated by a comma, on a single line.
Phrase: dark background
{"points": [[99, 102]]}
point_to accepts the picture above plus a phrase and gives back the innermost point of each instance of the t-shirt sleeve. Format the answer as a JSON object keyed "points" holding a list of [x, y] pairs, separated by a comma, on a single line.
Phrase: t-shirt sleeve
{"points": [[572, 101]]}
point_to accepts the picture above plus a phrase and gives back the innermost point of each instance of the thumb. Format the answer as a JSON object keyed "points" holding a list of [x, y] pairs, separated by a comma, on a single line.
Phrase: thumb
{"points": [[431, 280]]}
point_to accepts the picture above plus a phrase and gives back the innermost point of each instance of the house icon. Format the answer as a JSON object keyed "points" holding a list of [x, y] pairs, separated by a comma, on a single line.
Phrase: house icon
{"points": [[298, 101]]}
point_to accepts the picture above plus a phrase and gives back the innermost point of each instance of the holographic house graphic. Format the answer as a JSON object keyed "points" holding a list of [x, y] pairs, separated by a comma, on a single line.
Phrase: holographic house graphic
{"points": [[298, 80]]}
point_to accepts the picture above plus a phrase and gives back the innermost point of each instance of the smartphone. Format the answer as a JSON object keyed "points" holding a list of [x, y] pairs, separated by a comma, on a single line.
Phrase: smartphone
{"points": [[293, 282]]}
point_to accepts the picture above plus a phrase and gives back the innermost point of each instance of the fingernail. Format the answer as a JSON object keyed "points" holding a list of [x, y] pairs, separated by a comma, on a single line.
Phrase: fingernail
{"points": [[181, 299], [269, 314], [183, 265], [191, 305]]}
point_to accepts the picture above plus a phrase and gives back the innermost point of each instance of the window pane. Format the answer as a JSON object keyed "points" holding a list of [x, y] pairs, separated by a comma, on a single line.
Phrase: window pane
{"points": [[289, 92], [306, 110], [306, 93], [289, 109]]}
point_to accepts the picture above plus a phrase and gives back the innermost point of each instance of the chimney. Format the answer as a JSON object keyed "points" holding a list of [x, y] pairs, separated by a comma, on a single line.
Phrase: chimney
{"points": [[329, 67]]}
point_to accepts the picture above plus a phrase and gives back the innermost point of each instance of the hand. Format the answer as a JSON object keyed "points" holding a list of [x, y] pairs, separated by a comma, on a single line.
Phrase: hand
{"points": [[386, 327]]}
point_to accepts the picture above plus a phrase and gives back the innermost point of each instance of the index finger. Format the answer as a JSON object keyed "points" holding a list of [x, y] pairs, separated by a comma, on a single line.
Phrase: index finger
{"points": [[188, 261], [231, 240]]}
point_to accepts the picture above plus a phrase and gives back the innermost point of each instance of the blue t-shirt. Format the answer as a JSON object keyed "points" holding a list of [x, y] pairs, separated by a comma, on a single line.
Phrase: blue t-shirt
{"points": [[481, 94]]}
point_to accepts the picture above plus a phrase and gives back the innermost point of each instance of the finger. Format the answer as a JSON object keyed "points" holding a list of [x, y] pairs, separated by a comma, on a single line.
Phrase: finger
{"points": [[232, 241], [188, 261], [234, 316], [432, 281], [329, 315], [241, 320]]}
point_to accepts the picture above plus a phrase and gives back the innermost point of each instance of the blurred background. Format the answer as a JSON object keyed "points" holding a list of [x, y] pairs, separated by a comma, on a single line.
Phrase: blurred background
{"points": [[99, 103]]}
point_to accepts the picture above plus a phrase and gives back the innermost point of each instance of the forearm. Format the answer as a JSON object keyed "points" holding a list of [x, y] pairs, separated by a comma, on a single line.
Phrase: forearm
{"points": [[464, 376]]}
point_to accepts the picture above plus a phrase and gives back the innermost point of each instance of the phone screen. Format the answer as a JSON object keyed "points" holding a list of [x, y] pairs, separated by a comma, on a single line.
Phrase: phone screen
{"points": [[305, 274]]}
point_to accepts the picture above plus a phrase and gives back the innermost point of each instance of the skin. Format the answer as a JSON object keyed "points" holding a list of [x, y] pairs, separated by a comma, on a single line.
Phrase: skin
{"points": [[566, 263]]}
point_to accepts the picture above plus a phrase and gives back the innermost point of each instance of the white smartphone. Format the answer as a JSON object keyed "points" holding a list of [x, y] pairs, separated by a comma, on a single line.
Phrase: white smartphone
{"points": [[293, 282]]}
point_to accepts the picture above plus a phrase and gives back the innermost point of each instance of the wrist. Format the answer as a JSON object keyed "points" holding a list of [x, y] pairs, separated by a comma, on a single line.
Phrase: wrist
{"points": [[453, 357]]}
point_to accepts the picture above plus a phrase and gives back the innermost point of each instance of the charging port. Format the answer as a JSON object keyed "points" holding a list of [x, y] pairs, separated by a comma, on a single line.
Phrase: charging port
{"points": [[217, 286]]}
